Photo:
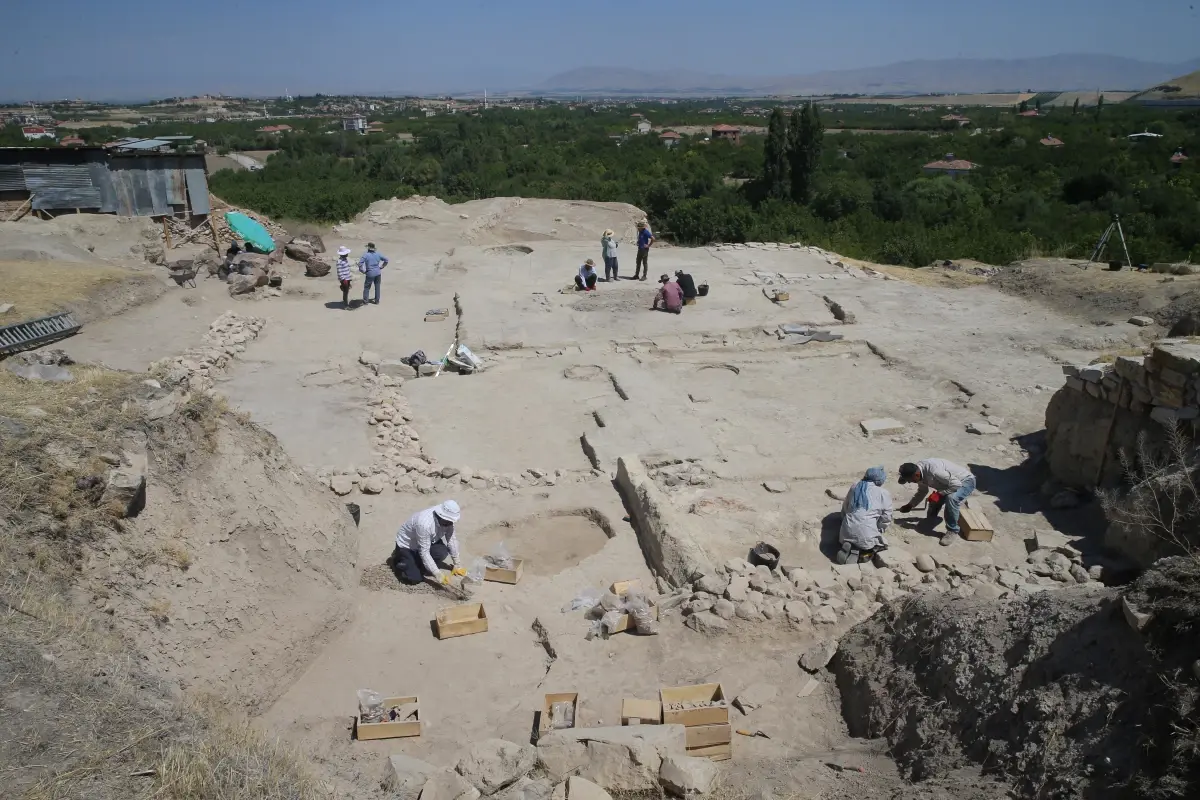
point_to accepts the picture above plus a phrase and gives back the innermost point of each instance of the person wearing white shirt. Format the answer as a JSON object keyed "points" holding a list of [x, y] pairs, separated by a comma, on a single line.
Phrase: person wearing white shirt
{"points": [[425, 543]]}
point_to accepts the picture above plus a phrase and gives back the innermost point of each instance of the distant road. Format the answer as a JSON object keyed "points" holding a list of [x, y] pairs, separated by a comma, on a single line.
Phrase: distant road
{"points": [[249, 163]]}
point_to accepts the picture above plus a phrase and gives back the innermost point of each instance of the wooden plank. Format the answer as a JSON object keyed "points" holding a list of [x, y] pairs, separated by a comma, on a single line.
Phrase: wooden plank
{"points": [[366, 731], [461, 620], [708, 735], [700, 693], [717, 752], [21, 210], [167, 233], [509, 576], [647, 712], [975, 526]]}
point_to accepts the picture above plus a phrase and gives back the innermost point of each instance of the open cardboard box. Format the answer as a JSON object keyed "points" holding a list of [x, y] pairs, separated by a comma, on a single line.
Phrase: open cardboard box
{"points": [[510, 576], [461, 620], [622, 588], [700, 693], [646, 712], [364, 731], [551, 699]]}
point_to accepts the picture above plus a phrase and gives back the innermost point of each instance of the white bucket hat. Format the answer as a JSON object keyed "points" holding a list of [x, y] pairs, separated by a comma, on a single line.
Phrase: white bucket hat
{"points": [[343, 251], [448, 511]]}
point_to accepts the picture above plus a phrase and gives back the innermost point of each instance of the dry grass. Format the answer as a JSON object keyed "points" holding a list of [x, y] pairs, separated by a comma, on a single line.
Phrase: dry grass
{"points": [[37, 288], [1111, 357]]}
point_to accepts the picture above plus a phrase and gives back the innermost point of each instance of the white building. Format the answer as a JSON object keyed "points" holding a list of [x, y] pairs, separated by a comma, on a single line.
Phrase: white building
{"points": [[357, 123]]}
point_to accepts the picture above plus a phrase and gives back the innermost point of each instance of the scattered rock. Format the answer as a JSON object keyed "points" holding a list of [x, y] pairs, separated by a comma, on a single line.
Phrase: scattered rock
{"points": [[893, 558], [775, 487], [685, 776], [625, 759], [299, 250], [125, 489], [316, 267], [373, 485], [341, 485], [1136, 619], [447, 784], [724, 609], [242, 284], [450, 472], [40, 372], [492, 764], [526, 789], [925, 563], [817, 657], [748, 611], [982, 428], [713, 584], [1141, 322], [797, 610], [582, 789], [825, 615], [882, 426], [408, 776]]}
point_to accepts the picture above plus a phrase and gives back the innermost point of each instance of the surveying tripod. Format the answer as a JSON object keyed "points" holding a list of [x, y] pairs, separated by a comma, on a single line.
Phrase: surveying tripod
{"points": [[1099, 251]]}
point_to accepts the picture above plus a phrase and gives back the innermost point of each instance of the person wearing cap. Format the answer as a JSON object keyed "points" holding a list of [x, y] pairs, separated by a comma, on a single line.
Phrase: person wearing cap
{"points": [[687, 284], [426, 541], [669, 295], [952, 482], [371, 264], [585, 281], [608, 249], [343, 274], [644, 240], [866, 514]]}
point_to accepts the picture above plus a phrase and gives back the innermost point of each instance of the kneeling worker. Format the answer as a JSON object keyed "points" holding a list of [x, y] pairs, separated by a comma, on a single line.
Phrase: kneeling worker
{"points": [[952, 482], [687, 284], [670, 296], [585, 281], [866, 514], [426, 541]]}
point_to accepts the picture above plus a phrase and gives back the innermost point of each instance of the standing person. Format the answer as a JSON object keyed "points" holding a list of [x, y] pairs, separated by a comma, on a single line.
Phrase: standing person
{"points": [[343, 273], [426, 541], [371, 264], [585, 281], [866, 514], [670, 296], [952, 482], [644, 240], [608, 249]]}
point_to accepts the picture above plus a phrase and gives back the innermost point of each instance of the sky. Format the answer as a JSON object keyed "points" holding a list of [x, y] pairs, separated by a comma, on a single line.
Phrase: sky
{"points": [[138, 49]]}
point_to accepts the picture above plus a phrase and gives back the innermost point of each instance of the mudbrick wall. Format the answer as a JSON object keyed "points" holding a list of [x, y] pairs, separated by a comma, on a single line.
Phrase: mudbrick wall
{"points": [[1105, 410]]}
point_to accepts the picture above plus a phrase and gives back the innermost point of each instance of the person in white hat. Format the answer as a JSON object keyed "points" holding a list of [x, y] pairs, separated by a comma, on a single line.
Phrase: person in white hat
{"points": [[426, 541], [343, 273]]}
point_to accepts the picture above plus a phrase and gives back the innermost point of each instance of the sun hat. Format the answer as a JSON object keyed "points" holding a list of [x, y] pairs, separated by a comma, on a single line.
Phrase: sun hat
{"points": [[343, 251], [448, 511], [664, 278], [590, 263], [608, 231], [642, 223]]}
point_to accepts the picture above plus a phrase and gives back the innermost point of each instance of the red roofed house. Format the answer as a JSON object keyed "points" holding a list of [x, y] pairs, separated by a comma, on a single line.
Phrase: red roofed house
{"points": [[275, 129], [670, 138], [37, 132], [71, 141], [1033, 112], [1178, 158], [727, 132], [1051, 141], [954, 167], [961, 120]]}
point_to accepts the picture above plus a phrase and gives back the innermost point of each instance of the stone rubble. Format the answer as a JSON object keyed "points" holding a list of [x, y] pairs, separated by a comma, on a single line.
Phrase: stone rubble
{"points": [[196, 369]]}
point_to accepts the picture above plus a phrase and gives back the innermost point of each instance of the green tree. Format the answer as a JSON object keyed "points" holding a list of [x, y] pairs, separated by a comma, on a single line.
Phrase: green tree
{"points": [[1075, 108], [1037, 103], [804, 152], [1099, 106], [775, 156], [1023, 107]]}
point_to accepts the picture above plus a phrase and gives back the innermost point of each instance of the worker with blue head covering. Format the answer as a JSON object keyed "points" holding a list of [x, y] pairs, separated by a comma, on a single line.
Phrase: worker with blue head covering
{"points": [[866, 514]]}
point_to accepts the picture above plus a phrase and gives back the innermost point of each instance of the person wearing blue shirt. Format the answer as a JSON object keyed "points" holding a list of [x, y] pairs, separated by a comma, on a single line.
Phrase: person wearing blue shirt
{"points": [[645, 238], [371, 264]]}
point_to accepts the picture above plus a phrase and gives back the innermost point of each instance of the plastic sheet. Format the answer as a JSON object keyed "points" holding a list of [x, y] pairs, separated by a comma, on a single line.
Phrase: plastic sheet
{"points": [[585, 600], [370, 706], [499, 558], [639, 609], [611, 620], [562, 715]]}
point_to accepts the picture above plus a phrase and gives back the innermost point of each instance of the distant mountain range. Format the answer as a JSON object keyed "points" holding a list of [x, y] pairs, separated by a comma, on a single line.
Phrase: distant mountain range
{"points": [[950, 76]]}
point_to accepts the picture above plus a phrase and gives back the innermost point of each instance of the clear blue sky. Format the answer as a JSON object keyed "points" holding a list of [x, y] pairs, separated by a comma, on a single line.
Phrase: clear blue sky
{"points": [[138, 48]]}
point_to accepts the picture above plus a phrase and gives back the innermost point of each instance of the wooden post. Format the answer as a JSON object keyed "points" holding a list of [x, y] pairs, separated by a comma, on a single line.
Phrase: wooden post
{"points": [[216, 236], [167, 233]]}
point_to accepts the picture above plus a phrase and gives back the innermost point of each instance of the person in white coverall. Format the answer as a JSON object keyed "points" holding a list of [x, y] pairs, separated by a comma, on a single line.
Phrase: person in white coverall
{"points": [[866, 514], [426, 541]]}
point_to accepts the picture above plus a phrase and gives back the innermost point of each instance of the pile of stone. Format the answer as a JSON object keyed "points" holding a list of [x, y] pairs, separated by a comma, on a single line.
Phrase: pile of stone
{"points": [[197, 368], [846, 594], [682, 475], [1164, 385], [570, 764]]}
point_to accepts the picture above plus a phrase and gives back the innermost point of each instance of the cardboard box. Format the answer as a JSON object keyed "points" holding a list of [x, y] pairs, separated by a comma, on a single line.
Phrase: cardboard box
{"points": [[365, 731], [551, 699], [717, 752], [510, 576], [974, 525], [622, 588], [700, 693], [461, 620], [647, 712], [708, 735]]}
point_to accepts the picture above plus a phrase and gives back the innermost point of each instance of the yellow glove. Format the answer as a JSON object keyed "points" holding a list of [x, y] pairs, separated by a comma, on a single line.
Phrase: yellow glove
{"points": [[444, 579], [460, 572]]}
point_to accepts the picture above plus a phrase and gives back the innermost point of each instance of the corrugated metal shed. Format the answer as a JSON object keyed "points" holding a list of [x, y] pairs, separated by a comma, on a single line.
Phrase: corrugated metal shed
{"points": [[12, 178]]}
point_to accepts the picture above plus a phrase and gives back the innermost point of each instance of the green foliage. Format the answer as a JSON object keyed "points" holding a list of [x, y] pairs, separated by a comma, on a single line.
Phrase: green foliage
{"points": [[775, 156], [804, 152]]}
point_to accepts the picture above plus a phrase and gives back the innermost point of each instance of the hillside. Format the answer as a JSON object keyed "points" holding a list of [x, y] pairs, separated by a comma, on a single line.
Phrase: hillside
{"points": [[1183, 87]]}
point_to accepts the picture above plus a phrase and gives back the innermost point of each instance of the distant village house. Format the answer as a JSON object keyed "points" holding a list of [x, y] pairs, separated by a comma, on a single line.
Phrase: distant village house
{"points": [[32, 132], [643, 127], [960, 120], [1178, 158], [954, 167], [670, 138], [727, 132], [274, 129], [357, 124], [1051, 141]]}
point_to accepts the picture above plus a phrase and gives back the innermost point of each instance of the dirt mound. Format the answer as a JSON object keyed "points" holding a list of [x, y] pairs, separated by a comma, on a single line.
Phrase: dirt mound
{"points": [[1055, 693], [83, 238]]}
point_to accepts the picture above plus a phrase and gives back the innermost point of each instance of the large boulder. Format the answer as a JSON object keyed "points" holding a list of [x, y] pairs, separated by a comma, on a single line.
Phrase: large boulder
{"points": [[527, 789], [317, 267], [581, 789], [312, 240], [261, 277], [299, 250], [247, 263], [447, 784], [685, 776], [125, 487], [242, 284], [407, 776], [493, 764], [614, 758]]}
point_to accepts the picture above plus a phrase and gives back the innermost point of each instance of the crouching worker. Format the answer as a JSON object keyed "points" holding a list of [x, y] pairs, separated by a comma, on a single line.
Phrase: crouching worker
{"points": [[866, 514], [669, 297], [426, 542], [585, 281], [952, 483]]}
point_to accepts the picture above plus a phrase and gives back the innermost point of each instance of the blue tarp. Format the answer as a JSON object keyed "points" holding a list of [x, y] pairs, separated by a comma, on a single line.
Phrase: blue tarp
{"points": [[245, 228]]}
